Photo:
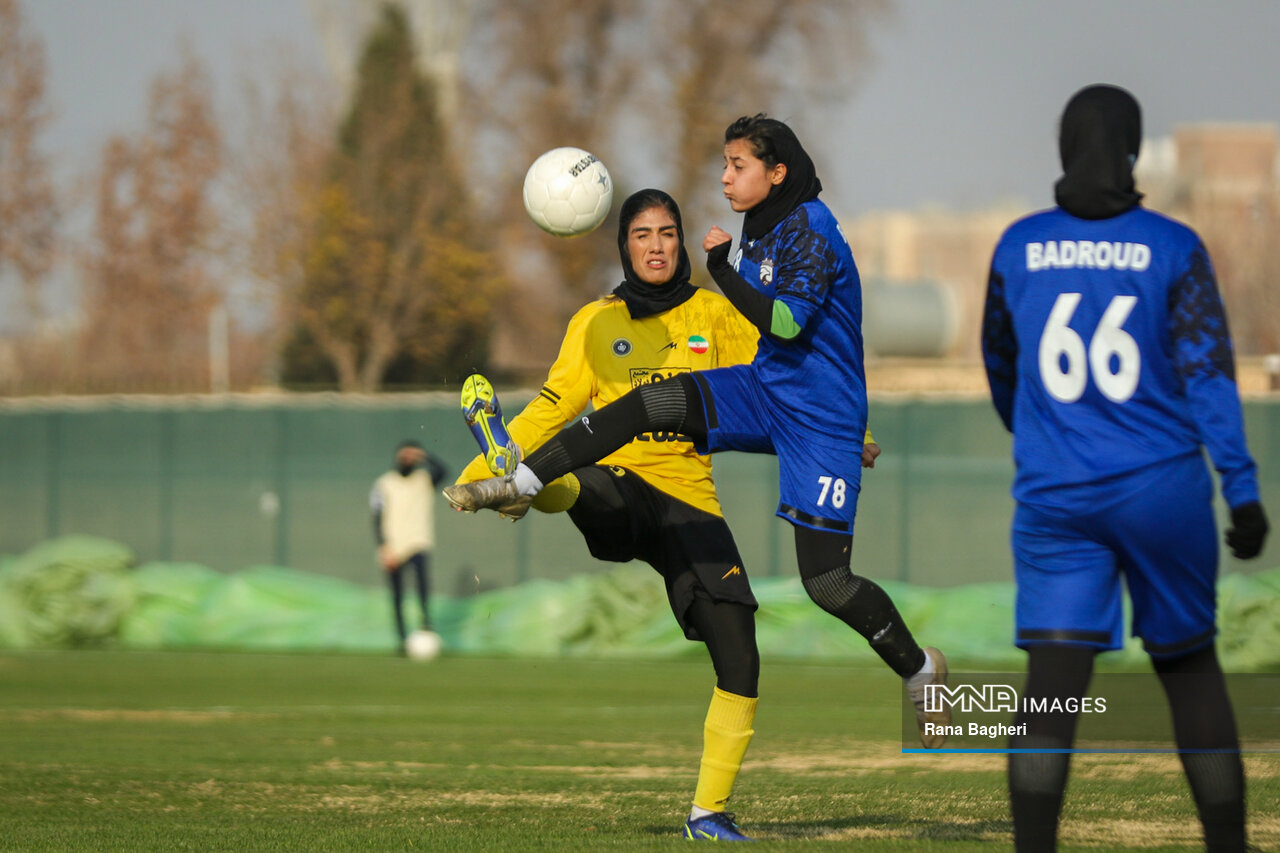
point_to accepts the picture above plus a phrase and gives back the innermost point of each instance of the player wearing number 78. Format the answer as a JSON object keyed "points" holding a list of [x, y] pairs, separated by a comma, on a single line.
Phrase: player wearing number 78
{"points": [[803, 398], [1108, 355]]}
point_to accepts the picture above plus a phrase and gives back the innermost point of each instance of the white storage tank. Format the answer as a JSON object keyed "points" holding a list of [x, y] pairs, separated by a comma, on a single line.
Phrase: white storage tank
{"points": [[908, 319]]}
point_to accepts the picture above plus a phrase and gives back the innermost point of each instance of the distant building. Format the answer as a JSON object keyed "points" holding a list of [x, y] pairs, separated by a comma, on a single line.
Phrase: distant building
{"points": [[947, 249], [1222, 179]]}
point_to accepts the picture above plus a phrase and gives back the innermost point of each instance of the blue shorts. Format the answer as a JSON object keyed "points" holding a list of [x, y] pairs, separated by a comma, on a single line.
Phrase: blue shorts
{"points": [[819, 475], [1156, 529]]}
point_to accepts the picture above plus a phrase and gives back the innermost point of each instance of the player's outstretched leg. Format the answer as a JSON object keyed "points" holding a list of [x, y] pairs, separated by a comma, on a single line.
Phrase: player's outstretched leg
{"points": [[589, 439], [658, 406]]}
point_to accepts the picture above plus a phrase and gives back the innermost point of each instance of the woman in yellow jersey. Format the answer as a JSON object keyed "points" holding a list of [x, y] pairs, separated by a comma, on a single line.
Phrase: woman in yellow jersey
{"points": [[653, 499]]}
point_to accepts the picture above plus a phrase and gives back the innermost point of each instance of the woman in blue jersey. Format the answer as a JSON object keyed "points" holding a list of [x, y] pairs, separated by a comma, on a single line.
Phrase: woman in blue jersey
{"points": [[802, 398], [1109, 359]]}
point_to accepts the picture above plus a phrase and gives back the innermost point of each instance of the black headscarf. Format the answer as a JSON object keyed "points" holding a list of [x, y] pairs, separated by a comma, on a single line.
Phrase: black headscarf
{"points": [[644, 299], [776, 142], [1098, 140]]}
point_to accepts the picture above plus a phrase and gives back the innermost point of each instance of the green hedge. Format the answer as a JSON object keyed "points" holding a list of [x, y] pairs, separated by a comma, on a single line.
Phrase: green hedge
{"points": [[77, 592]]}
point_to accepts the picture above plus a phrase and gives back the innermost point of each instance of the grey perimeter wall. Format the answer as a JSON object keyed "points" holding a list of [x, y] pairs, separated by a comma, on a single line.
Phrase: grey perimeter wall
{"points": [[232, 482]]}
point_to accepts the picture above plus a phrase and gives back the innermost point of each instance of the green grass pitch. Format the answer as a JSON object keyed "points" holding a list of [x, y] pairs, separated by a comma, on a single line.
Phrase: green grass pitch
{"points": [[113, 751]]}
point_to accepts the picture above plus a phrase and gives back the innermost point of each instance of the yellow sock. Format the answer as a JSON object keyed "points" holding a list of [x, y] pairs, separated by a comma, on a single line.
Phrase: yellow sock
{"points": [[726, 734]]}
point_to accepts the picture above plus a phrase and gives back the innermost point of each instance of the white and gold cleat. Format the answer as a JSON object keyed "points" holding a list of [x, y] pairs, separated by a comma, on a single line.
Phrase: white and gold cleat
{"points": [[940, 718], [496, 493]]}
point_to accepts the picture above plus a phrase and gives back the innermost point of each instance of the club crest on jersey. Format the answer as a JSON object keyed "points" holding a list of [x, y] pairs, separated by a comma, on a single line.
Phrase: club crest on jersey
{"points": [[698, 344], [766, 271], [621, 347]]}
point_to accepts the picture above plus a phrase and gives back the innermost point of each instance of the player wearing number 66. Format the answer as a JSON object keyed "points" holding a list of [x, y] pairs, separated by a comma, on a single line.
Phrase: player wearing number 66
{"points": [[1108, 355]]}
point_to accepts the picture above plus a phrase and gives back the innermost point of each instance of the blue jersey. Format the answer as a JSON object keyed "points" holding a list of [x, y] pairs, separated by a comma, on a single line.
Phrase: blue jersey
{"points": [[1107, 351], [806, 262]]}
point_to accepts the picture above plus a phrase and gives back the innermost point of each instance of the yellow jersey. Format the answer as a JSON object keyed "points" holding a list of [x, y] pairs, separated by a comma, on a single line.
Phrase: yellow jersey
{"points": [[605, 354]]}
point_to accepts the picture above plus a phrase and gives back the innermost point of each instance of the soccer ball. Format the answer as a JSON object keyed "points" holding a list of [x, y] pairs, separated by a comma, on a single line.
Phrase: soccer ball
{"points": [[567, 192], [423, 645]]}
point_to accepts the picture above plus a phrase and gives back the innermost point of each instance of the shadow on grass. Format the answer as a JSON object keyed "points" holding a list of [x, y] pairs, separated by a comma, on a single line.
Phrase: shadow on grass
{"points": [[874, 826]]}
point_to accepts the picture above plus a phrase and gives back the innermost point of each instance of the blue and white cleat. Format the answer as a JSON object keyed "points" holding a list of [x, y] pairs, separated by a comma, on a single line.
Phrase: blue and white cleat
{"points": [[717, 826], [483, 414]]}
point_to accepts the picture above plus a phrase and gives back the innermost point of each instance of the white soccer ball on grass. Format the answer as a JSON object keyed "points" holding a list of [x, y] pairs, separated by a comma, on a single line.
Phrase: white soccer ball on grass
{"points": [[567, 192], [423, 645]]}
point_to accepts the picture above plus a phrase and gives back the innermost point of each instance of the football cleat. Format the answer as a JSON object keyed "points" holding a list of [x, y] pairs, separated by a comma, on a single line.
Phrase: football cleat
{"points": [[483, 413], [496, 493], [941, 717], [717, 826]]}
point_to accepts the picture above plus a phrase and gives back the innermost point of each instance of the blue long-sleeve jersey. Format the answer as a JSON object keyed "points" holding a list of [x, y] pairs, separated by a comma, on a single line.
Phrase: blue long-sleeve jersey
{"points": [[1107, 350], [806, 262]]}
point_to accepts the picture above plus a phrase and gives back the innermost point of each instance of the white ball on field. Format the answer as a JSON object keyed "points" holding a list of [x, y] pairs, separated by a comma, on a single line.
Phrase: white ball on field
{"points": [[423, 645], [567, 192]]}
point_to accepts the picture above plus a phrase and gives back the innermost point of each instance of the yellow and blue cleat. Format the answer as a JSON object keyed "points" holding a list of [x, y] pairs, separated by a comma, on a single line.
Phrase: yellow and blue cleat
{"points": [[483, 414], [717, 826]]}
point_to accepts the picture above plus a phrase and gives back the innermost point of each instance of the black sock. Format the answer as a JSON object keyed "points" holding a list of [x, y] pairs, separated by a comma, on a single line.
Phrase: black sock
{"points": [[866, 608], [1205, 731], [1038, 780], [823, 558], [1217, 786]]}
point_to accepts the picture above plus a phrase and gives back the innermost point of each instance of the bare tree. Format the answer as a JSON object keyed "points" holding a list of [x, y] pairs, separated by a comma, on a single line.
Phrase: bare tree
{"points": [[148, 285], [28, 208], [278, 171], [653, 82], [351, 246], [661, 78]]}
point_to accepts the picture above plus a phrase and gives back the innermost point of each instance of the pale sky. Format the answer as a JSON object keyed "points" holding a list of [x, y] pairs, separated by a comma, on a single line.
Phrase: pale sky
{"points": [[959, 109], [963, 104]]}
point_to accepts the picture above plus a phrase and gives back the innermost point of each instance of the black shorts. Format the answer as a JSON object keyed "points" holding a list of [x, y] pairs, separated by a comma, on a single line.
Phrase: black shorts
{"points": [[623, 518]]}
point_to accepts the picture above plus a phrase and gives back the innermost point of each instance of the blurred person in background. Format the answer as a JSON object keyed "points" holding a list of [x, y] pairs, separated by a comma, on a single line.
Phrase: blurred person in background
{"points": [[402, 503]]}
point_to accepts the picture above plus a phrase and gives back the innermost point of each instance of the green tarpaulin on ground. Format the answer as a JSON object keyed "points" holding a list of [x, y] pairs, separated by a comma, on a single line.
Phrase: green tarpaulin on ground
{"points": [[87, 592]]}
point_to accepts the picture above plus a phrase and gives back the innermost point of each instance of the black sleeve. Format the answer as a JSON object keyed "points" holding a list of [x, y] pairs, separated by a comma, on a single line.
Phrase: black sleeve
{"points": [[999, 349], [377, 528], [751, 303]]}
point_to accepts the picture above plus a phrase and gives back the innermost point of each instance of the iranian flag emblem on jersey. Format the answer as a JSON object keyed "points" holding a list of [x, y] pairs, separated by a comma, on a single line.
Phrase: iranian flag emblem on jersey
{"points": [[698, 344]]}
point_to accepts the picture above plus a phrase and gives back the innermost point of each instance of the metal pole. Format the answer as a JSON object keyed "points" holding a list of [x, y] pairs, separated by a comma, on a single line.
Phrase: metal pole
{"points": [[53, 476], [165, 496], [904, 500], [282, 487], [219, 350]]}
